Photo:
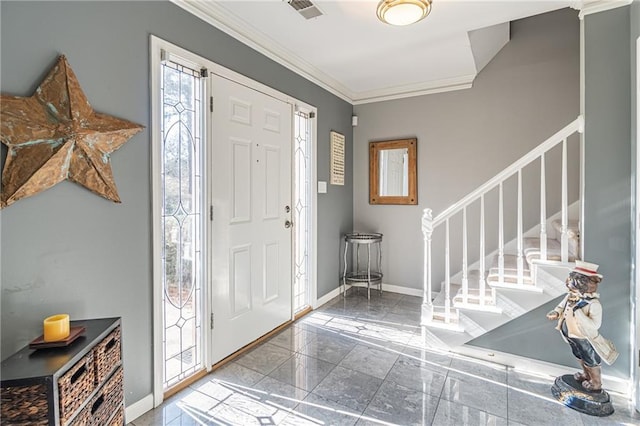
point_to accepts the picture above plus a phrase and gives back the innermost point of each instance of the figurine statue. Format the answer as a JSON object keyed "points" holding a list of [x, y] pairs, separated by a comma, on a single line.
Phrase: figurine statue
{"points": [[579, 317]]}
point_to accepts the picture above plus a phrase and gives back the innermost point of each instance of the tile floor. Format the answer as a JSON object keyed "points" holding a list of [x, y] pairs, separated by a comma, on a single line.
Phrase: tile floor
{"points": [[359, 361]]}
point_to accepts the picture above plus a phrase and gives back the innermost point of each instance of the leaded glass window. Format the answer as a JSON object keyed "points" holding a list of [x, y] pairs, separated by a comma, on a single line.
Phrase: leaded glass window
{"points": [[182, 221]]}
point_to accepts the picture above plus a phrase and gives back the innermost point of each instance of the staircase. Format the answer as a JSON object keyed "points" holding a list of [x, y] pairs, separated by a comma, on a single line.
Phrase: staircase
{"points": [[517, 276]]}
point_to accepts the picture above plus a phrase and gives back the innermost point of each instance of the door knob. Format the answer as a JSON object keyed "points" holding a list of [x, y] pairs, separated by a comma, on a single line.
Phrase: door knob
{"points": [[288, 224]]}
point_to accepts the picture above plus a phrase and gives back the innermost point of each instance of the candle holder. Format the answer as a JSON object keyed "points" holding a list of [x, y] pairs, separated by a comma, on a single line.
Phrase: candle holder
{"points": [[56, 327]]}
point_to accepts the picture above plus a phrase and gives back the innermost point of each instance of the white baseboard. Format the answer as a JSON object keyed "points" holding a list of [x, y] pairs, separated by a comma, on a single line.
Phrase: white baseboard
{"points": [[385, 287], [138, 408], [540, 368], [324, 299], [402, 290]]}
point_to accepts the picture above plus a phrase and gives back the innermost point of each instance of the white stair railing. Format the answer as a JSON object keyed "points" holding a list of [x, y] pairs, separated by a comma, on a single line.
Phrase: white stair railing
{"points": [[446, 315]]}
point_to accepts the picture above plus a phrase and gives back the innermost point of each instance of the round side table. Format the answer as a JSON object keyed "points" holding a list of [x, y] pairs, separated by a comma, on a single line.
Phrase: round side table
{"points": [[369, 274]]}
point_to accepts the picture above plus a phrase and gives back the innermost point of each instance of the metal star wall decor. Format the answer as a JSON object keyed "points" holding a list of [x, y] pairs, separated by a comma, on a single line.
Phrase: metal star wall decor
{"points": [[55, 135]]}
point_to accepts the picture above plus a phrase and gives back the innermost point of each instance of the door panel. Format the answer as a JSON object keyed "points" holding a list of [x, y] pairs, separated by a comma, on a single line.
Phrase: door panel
{"points": [[271, 184], [251, 186], [240, 280], [241, 183]]}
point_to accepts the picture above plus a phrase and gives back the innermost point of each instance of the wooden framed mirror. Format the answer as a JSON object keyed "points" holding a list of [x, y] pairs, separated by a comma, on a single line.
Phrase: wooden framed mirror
{"points": [[392, 172]]}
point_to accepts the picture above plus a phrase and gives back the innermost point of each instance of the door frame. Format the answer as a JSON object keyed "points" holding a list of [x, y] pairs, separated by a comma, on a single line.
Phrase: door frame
{"points": [[635, 291], [157, 46]]}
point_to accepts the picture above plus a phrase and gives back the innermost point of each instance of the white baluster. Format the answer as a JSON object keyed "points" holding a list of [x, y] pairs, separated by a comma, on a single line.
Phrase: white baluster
{"points": [[447, 276], [543, 210], [427, 230], [501, 235], [482, 283], [520, 258], [465, 259], [564, 239]]}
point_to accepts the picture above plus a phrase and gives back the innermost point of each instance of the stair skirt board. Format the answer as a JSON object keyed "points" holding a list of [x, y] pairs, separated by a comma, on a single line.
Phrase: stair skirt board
{"points": [[471, 320], [536, 367]]}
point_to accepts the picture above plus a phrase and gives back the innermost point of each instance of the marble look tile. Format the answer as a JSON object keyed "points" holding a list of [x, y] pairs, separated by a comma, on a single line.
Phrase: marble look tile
{"points": [[531, 408], [348, 387], [292, 339], [407, 321], [330, 347], [438, 361], [408, 301], [477, 393], [417, 375], [403, 308], [371, 332], [187, 420], [341, 306], [312, 320], [216, 389], [246, 412], [315, 410], [624, 414], [370, 311], [400, 405], [236, 374], [264, 358], [280, 393], [462, 367], [159, 416], [302, 371], [181, 407], [374, 362], [453, 414]]}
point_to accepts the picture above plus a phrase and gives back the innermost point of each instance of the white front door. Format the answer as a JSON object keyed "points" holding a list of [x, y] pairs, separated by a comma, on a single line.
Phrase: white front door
{"points": [[251, 197]]}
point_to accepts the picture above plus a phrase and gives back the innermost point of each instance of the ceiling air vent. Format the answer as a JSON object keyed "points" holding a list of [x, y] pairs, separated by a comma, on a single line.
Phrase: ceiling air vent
{"points": [[305, 8]]}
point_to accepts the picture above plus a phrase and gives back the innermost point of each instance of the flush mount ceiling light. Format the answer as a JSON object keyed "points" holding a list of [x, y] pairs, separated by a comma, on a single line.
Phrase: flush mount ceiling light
{"points": [[403, 12]]}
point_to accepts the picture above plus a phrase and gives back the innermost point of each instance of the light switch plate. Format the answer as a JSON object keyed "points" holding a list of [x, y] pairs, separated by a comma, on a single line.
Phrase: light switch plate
{"points": [[322, 187]]}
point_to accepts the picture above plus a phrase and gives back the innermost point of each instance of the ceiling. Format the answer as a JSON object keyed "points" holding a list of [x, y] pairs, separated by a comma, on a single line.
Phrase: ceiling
{"points": [[349, 52]]}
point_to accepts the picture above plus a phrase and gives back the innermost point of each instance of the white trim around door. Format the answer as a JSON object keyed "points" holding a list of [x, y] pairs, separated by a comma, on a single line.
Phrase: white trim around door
{"points": [[157, 47]]}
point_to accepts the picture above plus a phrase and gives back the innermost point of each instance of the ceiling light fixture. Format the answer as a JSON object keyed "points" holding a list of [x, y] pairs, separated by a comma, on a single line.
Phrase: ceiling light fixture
{"points": [[403, 12]]}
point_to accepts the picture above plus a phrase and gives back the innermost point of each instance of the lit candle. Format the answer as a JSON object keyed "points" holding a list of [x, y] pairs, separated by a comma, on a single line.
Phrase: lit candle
{"points": [[56, 328]]}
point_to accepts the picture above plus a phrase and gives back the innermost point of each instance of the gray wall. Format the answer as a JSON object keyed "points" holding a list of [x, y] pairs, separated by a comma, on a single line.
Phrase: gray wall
{"points": [[608, 168], [67, 250], [635, 34], [607, 199], [525, 94]]}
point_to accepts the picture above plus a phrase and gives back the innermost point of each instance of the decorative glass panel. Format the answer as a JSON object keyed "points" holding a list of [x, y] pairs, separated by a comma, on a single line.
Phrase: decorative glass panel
{"points": [[301, 214], [181, 221]]}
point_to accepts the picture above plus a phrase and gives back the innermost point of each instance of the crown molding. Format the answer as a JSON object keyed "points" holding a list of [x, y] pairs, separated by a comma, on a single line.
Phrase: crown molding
{"points": [[409, 91], [217, 16], [588, 7]]}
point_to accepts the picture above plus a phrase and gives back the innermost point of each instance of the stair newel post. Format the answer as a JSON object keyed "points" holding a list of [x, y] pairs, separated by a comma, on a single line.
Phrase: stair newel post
{"points": [[427, 230], [500, 234], [520, 257], [564, 240], [447, 274], [465, 272], [482, 283], [543, 209]]}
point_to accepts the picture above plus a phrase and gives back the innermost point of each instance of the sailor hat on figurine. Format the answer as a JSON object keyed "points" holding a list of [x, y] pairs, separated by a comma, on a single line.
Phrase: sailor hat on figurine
{"points": [[586, 268]]}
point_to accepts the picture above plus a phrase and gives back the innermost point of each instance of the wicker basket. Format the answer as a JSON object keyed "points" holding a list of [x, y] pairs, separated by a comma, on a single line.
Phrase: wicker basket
{"points": [[24, 405], [74, 386], [107, 355], [83, 418], [118, 419], [108, 400]]}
